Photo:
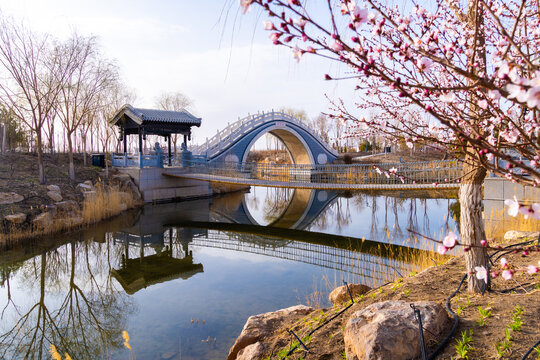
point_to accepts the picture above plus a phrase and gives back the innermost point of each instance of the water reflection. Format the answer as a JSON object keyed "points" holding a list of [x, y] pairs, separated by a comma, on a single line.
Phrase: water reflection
{"points": [[63, 297], [183, 278]]}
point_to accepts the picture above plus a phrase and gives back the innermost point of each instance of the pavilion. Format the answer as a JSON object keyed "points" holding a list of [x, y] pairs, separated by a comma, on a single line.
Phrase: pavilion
{"points": [[143, 122]]}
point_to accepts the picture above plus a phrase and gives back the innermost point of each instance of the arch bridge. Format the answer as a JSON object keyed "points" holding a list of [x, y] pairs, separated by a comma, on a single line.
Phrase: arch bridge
{"points": [[233, 143]]}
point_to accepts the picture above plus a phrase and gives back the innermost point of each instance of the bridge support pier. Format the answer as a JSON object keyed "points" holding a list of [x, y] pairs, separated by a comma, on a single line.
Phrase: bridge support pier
{"points": [[155, 187]]}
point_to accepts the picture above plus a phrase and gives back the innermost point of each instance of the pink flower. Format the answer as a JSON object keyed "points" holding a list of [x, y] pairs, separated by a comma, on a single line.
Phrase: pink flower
{"points": [[507, 274], [494, 94], [481, 273], [359, 16], [513, 206], [531, 269], [483, 242], [300, 22], [504, 262], [441, 249], [483, 104], [450, 240], [448, 98], [516, 91], [337, 46], [268, 25], [297, 53], [246, 5], [424, 63], [533, 97], [392, 170]]}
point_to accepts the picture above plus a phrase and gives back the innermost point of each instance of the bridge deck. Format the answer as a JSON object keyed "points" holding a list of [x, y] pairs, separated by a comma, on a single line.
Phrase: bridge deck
{"points": [[305, 185]]}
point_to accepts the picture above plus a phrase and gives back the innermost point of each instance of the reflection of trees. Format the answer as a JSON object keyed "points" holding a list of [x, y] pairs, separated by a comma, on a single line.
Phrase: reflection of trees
{"points": [[276, 202], [86, 322]]}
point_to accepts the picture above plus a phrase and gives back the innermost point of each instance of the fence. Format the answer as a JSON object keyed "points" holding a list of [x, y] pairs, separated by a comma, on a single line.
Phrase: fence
{"points": [[447, 171], [139, 160]]}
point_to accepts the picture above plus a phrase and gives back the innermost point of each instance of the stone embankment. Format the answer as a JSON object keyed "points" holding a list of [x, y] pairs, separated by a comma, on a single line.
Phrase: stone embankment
{"points": [[58, 213]]}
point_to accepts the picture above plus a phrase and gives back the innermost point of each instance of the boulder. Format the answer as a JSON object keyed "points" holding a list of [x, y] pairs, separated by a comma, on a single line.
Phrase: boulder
{"points": [[43, 220], [10, 198], [514, 235], [54, 188], [259, 327], [340, 294], [389, 330], [89, 183], [85, 187], [122, 207], [17, 218], [250, 352], [55, 196], [68, 206]]}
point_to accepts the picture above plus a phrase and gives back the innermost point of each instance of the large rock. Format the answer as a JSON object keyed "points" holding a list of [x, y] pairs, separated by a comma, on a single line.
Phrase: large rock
{"points": [[340, 294], [250, 352], [85, 187], [389, 331], [43, 220], [514, 235], [10, 198], [55, 196], [259, 327], [17, 218], [68, 206], [54, 188]]}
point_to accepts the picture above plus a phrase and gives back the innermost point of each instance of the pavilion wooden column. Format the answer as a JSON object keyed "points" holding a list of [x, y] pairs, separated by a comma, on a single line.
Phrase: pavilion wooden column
{"points": [[141, 164], [125, 141], [169, 148]]}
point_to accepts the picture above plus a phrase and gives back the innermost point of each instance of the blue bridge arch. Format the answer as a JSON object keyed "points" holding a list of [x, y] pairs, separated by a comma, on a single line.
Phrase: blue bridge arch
{"points": [[233, 143]]}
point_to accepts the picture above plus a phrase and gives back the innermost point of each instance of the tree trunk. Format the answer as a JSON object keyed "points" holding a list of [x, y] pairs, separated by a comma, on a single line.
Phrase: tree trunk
{"points": [[70, 156], [4, 138], [471, 221], [41, 169]]}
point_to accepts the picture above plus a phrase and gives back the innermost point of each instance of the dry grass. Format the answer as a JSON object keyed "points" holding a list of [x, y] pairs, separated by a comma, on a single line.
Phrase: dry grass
{"points": [[107, 201], [498, 223]]}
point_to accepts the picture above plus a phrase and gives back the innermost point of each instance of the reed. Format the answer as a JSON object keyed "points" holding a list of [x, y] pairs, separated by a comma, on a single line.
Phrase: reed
{"points": [[497, 223], [107, 201]]}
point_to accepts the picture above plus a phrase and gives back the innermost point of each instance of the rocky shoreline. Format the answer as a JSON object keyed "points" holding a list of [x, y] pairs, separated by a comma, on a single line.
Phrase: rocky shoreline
{"points": [[65, 208], [381, 323]]}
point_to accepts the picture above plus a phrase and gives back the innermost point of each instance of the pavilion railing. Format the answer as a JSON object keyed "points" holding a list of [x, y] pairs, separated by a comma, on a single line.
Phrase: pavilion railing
{"points": [[445, 171], [141, 160]]}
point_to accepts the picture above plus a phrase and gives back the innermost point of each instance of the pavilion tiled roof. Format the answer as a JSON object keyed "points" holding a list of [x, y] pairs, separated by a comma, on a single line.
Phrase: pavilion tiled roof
{"points": [[141, 116]]}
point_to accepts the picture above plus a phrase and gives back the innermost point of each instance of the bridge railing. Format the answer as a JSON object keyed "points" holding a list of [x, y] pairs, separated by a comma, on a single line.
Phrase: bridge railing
{"points": [[445, 171], [236, 130]]}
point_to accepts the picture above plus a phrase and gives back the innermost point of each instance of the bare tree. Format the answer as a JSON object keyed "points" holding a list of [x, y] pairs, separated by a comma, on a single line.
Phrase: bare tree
{"points": [[32, 79], [175, 101], [321, 125], [112, 99], [80, 93]]}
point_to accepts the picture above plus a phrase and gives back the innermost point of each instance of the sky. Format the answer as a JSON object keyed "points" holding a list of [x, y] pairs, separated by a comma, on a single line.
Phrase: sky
{"points": [[208, 50]]}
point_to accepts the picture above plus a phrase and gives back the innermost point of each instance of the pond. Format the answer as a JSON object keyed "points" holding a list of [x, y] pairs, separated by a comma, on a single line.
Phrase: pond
{"points": [[182, 278]]}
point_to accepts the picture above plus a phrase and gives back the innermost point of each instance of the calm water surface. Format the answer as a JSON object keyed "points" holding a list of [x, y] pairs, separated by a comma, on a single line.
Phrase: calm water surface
{"points": [[183, 278]]}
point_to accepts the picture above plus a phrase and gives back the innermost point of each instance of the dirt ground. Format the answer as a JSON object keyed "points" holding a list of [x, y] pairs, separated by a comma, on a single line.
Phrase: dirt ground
{"points": [[436, 284], [394, 157], [19, 174]]}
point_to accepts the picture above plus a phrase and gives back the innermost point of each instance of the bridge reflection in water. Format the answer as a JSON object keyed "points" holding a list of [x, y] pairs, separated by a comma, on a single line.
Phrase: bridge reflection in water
{"points": [[159, 247]]}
